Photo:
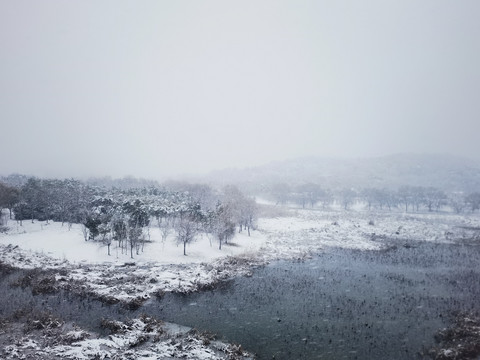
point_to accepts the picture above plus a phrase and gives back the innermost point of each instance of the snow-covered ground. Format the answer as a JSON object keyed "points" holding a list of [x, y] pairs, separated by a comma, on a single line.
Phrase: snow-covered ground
{"points": [[142, 338], [64, 243]]}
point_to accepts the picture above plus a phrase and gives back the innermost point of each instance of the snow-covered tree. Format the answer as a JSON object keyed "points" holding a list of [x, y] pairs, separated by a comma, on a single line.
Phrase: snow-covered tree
{"points": [[31, 201], [241, 209], [223, 224]]}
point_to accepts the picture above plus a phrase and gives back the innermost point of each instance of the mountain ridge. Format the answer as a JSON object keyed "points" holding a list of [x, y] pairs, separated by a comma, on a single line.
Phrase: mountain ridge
{"points": [[444, 171]]}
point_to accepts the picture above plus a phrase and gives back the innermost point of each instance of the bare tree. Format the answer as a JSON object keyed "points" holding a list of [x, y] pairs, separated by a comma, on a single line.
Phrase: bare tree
{"points": [[457, 202], [120, 232], [371, 196], [134, 236], [187, 230], [434, 198], [326, 198], [405, 195], [249, 214], [165, 225], [347, 197], [418, 197]]}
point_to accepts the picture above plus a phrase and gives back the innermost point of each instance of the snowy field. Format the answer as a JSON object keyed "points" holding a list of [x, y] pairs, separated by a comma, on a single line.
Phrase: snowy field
{"points": [[67, 244]]}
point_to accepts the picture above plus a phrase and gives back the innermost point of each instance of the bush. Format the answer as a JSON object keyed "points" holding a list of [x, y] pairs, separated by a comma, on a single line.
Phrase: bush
{"points": [[113, 326], [42, 321]]}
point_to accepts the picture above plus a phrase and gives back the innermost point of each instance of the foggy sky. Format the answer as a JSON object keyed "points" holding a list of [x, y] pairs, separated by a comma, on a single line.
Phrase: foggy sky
{"points": [[159, 88]]}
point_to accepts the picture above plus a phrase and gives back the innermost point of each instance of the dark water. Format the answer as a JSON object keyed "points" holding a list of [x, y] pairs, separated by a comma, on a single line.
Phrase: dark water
{"points": [[87, 312], [343, 304]]}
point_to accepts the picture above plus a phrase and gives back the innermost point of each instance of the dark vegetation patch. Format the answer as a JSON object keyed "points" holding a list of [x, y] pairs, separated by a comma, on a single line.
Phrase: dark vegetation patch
{"points": [[41, 321], [205, 336], [159, 294], [235, 351], [231, 244], [461, 341], [40, 281], [3, 324], [45, 285], [207, 286], [127, 264], [6, 269], [152, 324], [104, 299], [113, 326], [135, 304], [243, 261]]}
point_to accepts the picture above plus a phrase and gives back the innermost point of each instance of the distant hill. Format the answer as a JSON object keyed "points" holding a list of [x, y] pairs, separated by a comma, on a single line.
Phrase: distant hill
{"points": [[446, 172]]}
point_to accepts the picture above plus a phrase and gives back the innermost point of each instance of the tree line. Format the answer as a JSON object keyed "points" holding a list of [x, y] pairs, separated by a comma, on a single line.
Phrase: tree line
{"points": [[409, 198], [124, 216]]}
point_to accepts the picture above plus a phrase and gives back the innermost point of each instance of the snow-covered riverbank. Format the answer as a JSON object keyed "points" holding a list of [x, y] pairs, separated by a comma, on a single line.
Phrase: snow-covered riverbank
{"points": [[43, 336]]}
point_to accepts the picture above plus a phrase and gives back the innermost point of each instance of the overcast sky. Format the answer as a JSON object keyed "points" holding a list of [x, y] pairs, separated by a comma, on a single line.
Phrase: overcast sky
{"points": [[158, 88]]}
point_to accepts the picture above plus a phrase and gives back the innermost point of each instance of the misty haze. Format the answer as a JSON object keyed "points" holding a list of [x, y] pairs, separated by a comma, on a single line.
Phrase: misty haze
{"points": [[239, 180]]}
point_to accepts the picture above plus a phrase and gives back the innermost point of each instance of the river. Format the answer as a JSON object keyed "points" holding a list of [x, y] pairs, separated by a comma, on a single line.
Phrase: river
{"points": [[341, 304]]}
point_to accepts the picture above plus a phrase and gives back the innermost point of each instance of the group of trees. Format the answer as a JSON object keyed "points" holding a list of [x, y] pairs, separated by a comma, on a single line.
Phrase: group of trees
{"points": [[124, 216], [66, 201], [306, 195], [410, 198], [8, 197]]}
